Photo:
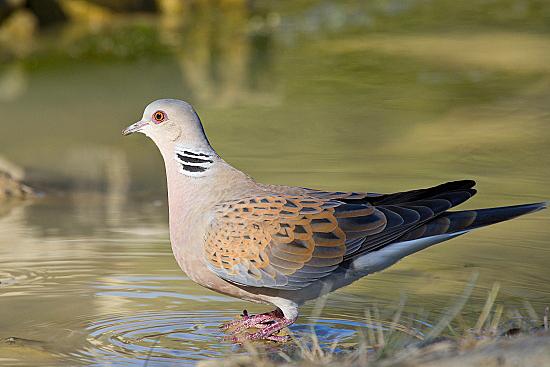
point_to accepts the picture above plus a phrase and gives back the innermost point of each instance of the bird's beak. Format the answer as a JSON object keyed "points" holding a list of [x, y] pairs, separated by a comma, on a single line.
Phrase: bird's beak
{"points": [[134, 128]]}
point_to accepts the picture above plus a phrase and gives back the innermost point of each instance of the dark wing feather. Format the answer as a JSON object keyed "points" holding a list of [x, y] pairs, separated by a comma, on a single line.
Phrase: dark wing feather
{"points": [[447, 189]]}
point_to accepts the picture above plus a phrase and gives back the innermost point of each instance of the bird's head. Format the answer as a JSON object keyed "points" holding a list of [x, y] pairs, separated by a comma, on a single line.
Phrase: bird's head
{"points": [[177, 131], [171, 121]]}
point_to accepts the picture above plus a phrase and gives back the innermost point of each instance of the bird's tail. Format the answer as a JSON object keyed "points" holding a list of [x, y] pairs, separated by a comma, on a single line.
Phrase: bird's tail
{"points": [[464, 221], [446, 226]]}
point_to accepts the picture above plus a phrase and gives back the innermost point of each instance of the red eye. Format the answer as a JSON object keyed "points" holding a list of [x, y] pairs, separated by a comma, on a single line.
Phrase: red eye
{"points": [[159, 116]]}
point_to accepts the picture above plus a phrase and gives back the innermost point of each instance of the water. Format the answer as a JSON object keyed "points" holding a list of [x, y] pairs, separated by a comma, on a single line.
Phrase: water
{"points": [[347, 96]]}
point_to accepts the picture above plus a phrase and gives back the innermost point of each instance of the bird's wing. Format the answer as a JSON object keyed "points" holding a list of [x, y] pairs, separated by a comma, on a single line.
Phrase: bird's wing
{"points": [[290, 241], [444, 189]]}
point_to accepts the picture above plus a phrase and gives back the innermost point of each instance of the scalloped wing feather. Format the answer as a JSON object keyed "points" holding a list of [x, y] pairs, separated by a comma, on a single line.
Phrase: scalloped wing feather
{"points": [[287, 242]]}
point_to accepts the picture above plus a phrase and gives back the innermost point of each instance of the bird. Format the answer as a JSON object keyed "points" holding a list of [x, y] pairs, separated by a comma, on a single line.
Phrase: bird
{"points": [[284, 245]]}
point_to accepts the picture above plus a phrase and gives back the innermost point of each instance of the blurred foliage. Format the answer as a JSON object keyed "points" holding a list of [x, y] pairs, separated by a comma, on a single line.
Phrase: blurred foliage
{"points": [[111, 34]]}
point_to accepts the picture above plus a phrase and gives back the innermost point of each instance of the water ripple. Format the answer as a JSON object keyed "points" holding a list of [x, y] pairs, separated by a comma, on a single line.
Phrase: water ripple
{"points": [[10, 277], [161, 337]]}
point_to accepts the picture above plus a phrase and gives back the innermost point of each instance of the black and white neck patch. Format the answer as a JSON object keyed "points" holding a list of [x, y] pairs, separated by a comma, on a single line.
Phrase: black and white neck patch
{"points": [[193, 162]]}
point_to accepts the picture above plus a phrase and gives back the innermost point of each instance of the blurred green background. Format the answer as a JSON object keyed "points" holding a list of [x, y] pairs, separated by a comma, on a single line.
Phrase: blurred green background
{"points": [[379, 96]]}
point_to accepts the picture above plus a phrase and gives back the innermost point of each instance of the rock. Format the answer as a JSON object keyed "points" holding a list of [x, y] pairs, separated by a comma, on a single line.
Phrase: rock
{"points": [[11, 188]]}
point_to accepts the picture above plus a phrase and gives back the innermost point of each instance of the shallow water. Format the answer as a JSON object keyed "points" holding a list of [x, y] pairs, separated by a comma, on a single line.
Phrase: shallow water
{"points": [[318, 95]]}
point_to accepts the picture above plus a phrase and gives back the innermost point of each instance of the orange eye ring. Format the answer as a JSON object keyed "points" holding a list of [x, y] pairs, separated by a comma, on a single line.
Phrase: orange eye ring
{"points": [[159, 117]]}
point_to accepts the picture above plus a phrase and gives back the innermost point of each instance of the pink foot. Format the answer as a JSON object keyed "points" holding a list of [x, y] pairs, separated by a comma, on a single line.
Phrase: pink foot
{"points": [[247, 321], [277, 321], [229, 325]]}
